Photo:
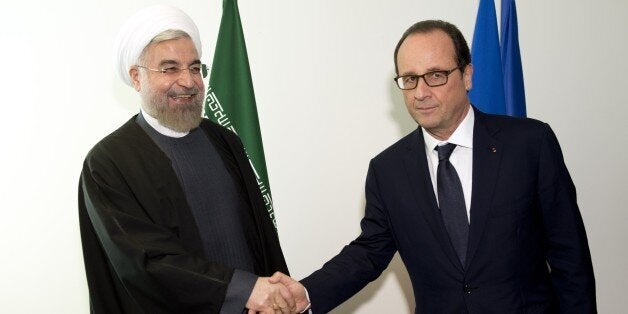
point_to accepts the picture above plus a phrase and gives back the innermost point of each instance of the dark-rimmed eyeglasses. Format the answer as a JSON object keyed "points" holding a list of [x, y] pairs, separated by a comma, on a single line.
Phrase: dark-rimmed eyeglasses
{"points": [[432, 79], [195, 69]]}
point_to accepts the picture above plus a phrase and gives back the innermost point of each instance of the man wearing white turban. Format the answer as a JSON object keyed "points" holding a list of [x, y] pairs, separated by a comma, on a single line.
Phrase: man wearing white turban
{"points": [[171, 218]]}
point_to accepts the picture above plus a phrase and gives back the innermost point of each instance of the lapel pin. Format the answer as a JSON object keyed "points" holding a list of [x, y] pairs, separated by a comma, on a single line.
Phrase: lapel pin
{"points": [[493, 149]]}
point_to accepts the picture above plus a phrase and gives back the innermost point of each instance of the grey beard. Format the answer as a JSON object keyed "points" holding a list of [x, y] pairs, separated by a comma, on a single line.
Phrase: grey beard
{"points": [[181, 118]]}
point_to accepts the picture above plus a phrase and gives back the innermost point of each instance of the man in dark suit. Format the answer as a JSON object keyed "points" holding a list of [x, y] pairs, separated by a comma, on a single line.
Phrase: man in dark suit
{"points": [[480, 207]]}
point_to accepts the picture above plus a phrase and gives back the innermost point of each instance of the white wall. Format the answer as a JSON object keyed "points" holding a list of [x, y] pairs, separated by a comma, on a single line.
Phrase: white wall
{"points": [[322, 73]]}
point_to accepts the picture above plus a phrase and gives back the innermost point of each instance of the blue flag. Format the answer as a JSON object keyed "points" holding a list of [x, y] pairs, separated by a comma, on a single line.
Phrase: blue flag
{"points": [[511, 61], [487, 93]]}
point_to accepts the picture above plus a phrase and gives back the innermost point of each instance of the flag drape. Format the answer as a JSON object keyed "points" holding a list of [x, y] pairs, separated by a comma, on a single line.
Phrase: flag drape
{"points": [[230, 100], [511, 61], [497, 73]]}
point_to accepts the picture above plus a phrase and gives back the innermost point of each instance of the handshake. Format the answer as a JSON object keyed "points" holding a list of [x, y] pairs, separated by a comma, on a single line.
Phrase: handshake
{"points": [[277, 294]]}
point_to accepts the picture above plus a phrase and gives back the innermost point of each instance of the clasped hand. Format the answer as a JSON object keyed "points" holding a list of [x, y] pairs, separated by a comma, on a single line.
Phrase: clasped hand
{"points": [[277, 294]]}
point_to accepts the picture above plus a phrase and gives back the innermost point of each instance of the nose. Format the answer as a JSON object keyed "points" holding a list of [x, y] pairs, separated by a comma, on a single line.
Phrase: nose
{"points": [[186, 79], [422, 90]]}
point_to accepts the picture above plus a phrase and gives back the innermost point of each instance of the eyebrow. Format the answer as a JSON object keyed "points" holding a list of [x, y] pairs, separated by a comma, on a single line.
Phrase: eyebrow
{"points": [[432, 69], [174, 62]]}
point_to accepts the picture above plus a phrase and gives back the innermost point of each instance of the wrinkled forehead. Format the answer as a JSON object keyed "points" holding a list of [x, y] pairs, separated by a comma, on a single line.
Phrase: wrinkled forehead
{"points": [[429, 51], [178, 52]]}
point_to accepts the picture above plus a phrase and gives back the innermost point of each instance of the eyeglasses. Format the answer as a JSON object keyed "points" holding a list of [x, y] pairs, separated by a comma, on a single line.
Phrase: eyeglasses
{"points": [[432, 79], [174, 71]]}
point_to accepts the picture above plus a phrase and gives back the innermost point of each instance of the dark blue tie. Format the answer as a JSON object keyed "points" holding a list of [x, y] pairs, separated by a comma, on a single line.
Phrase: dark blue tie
{"points": [[451, 201]]}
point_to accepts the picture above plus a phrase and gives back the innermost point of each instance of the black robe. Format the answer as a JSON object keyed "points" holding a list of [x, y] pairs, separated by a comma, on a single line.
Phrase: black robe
{"points": [[142, 249]]}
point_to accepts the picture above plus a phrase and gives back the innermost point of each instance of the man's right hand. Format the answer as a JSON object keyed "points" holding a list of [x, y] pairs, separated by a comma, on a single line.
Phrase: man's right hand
{"points": [[295, 287], [270, 298]]}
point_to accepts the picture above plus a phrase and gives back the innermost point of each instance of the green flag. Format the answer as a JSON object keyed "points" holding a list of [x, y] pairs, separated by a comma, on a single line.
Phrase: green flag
{"points": [[230, 100]]}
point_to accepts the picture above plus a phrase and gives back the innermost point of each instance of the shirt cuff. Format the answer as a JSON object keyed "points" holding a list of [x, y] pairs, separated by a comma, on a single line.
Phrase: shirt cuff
{"points": [[238, 292], [308, 308]]}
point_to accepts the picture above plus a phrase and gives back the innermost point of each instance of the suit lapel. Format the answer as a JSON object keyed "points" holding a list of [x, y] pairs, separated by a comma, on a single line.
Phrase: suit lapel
{"points": [[487, 152], [416, 166]]}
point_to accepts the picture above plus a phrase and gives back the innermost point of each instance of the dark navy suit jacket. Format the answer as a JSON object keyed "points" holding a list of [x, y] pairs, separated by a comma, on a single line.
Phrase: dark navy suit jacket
{"points": [[527, 252]]}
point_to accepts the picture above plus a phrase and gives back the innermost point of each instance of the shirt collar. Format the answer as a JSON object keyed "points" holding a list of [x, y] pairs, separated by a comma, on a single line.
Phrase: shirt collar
{"points": [[462, 136], [163, 130]]}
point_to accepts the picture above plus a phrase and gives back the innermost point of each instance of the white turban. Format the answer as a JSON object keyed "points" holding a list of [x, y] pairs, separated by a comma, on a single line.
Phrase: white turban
{"points": [[142, 27]]}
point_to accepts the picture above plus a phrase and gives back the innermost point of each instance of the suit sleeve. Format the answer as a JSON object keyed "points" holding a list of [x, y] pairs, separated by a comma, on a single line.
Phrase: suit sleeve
{"points": [[151, 270], [360, 262], [568, 251]]}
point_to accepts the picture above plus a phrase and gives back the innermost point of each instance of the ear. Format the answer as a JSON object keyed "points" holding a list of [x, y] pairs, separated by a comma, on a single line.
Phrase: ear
{"points": [[134, 73], [467, 76]]}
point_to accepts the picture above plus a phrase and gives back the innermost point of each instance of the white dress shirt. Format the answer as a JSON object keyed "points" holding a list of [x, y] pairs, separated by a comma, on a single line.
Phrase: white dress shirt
{"points": [[461, 158]]}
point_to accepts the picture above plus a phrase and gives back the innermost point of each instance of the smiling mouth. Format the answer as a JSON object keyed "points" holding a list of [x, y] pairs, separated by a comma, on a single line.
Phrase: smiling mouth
{"points": [[186, 98], [182, 100]]}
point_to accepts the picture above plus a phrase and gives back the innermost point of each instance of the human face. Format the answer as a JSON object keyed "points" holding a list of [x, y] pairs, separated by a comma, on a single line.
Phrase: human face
{"points": [[439, 109], [176, 101]]}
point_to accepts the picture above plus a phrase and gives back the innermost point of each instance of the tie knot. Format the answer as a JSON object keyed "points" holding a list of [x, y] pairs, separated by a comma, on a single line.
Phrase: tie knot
{"points": [[444, 151]]}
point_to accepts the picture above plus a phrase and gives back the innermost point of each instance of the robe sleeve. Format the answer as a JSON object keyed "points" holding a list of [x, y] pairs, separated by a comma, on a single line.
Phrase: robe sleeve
{"points": [[150, 268]]}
